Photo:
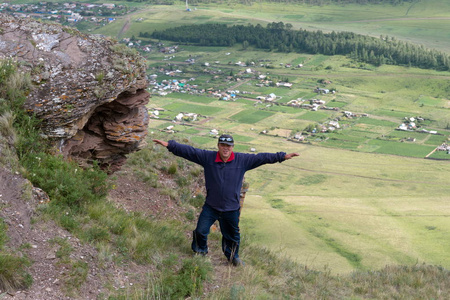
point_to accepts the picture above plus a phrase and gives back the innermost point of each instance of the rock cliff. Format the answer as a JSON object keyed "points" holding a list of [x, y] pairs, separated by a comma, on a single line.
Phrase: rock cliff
{"points": [[89, 91]]}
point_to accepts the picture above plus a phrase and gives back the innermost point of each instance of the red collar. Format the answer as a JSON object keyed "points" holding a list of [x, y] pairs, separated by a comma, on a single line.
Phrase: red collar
{"points": [[219, 159]]}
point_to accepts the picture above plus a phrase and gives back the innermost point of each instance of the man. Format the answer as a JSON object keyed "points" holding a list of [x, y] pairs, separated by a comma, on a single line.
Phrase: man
{"points": [[224, 172]]}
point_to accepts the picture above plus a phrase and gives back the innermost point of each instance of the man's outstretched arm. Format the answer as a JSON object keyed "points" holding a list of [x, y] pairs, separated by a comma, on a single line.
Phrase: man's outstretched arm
{"points": [[290, 155], [162, 143]]}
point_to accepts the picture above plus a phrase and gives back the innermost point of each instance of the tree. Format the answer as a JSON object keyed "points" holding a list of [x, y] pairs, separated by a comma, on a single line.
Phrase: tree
{"points": [[245, 44]]}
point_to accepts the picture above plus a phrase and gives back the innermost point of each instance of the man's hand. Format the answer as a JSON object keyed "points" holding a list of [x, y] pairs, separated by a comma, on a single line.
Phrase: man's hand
{"points": [[290, 155], [162, 143]]}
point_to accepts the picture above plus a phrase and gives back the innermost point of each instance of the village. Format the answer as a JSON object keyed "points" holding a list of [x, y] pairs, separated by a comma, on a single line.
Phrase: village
{"points": [[264, 101], [167, 86], [68, 13]]}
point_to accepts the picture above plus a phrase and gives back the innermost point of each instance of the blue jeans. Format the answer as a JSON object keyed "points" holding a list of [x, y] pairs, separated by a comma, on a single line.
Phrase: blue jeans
{"points": [[229, 227]]}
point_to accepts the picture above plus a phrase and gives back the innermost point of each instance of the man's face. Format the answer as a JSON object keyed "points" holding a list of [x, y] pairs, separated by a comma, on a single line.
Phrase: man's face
{"points": [[225, 151]]}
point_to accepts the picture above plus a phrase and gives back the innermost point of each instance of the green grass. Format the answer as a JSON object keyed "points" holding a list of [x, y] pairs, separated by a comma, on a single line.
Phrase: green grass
{"points": [[374, 214], [435, 139], [314, 116], [395, 148], [196, 99], [344, 202], [251, 116], [188, 108], [377, 122]]}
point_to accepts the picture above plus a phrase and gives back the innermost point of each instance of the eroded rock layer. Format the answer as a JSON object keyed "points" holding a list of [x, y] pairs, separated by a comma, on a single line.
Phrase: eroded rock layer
{"points": [[89, 91]]}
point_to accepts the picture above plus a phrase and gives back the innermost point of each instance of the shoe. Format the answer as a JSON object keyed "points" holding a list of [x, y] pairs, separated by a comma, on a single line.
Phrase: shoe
{"points": [[237, 262], [200, 253]]}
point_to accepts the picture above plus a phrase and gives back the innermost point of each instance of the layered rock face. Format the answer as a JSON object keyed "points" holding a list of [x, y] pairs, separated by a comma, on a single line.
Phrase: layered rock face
{"points": [[89, 91]]}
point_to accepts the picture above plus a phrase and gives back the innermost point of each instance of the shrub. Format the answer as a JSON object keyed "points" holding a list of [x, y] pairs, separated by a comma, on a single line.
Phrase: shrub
{"points": [[172, 169], [188, 281], [97, 234], [65, 182], [197, 200]]}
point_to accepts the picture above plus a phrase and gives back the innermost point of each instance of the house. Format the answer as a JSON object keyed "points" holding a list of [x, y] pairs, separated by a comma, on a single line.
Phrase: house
{"points": [[321, 91], [318, 101], [271, 97], [403, 127], [109, 5], [299, 137], [285, 84], [348, 114], [334, 124], [179, 117], [295, 103]]}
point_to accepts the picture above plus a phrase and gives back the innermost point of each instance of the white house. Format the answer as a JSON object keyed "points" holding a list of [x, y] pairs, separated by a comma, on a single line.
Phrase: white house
{"points": [[179, 117], [403, 127]]}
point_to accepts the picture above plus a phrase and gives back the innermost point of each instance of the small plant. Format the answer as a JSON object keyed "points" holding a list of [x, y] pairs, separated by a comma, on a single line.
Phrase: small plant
{"points": [[99, 92], [96, 234], [123, 49], [188, 281], [64, 251], [172, 169], [181, 180], [7, 129], [13, 273], [197, 200], [190, 215], [78, 275], [100, 76], [121, 65]]}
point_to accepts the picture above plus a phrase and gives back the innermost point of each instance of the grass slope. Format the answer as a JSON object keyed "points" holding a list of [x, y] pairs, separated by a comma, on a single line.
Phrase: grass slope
{"points": [[344, 209], [347, 210]]}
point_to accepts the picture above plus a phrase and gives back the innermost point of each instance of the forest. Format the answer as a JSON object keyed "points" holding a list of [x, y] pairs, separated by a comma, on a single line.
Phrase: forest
{"points": [[277, 36]]}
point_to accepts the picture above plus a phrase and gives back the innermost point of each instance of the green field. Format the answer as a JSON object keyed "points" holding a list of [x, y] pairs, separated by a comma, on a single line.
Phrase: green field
{"points": [[358, 198], [361, 197], [421, 23]]}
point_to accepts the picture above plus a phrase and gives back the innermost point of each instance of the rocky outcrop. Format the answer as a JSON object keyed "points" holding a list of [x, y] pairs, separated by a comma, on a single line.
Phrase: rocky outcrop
{"points": [[89, 91]]}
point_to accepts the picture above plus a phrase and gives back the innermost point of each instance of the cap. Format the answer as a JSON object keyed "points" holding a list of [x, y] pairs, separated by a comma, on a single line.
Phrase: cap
{"points": [[226, 139]]}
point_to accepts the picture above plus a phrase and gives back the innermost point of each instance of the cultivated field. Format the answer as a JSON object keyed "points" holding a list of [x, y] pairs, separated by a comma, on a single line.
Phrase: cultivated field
{"points": [[361, 197]]}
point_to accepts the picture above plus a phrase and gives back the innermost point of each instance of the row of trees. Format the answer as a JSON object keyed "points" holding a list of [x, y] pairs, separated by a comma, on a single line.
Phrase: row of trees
{"points": [[280, 37]]}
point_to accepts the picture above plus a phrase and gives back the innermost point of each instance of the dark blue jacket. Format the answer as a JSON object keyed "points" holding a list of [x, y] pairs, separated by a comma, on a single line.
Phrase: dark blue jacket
{"points": [[223, 180]]}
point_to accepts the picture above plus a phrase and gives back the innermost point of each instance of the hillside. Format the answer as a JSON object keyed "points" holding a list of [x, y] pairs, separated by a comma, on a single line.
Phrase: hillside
{"points": [[361, 215], [67, 266]]}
